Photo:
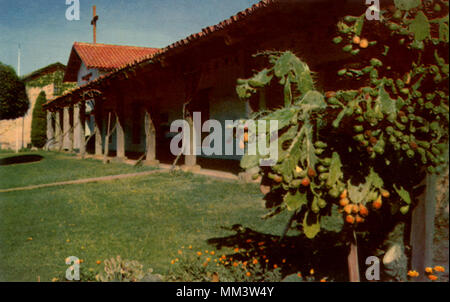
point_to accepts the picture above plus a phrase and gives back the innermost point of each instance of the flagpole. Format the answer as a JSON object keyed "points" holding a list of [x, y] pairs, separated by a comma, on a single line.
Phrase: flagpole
{"points": [[18, 120]]}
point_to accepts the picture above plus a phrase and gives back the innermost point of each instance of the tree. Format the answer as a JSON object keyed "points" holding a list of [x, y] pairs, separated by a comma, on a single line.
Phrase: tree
{"points": [[39, 122], [350, 161], [13, 98]]}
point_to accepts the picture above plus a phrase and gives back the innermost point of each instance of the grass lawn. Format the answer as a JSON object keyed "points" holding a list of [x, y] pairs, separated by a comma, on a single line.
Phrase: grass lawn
{"points": [[55, 167], [144, 218]]}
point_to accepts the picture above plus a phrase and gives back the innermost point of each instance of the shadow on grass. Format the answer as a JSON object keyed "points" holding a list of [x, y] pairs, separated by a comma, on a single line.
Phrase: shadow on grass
{"points": [[20, 159], [292, 254]]}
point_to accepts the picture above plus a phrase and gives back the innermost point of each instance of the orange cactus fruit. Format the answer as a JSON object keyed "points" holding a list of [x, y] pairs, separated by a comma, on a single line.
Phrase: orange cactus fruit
{"points": [[350, 219], [363, 210], [344, 201], [356, 40], [377, 203], [278, 178], [246, 137], [359, 219], [364, 43], [432, 277], [385, 193], [330, 94], [343, 194], [348, 209], [355, 208], [311, 172], [306, 181]]}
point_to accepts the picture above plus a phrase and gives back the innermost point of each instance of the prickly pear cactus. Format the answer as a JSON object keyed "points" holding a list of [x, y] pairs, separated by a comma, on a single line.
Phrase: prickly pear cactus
{"points": [[118, 270], [350, 160]]}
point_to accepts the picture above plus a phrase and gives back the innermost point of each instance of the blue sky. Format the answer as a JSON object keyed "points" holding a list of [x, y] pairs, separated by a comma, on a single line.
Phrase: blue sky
{"points": [[46, 36]]}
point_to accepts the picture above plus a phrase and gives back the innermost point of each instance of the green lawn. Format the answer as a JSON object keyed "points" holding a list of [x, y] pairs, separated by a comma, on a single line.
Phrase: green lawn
{"points": [[56, 167], [144, 218]]}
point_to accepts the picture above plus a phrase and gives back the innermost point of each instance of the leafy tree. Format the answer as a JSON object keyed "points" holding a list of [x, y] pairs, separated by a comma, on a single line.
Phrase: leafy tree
{"points": [[13, 98], [350, 160], [39, 122]]}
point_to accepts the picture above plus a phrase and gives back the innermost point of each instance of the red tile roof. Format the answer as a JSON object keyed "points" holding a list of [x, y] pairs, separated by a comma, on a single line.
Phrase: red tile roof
{"points": [[105, 56]]}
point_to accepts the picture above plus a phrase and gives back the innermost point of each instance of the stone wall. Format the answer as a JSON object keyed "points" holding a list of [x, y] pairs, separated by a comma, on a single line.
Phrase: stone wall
{"points": [[9, 128]]}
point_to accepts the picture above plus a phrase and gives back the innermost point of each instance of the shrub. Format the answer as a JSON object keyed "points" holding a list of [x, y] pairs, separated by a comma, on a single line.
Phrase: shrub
{"points": [[39, 122], [13, 98], [118, 270]]}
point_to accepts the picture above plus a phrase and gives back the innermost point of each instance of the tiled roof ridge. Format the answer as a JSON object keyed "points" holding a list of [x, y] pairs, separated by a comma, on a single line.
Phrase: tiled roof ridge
{"points": [[111, 45]]}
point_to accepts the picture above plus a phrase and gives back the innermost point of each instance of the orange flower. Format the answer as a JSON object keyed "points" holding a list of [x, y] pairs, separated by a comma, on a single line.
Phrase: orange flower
{"points": [[261, 243], [323, 280], [413, 273], [180, 252], [267, 260], [244, 263], [248, 274], [98, 262], [284, 260], [190, 247], [255, 261], [311, 271], [299, 275], [206, 252], [212, 252], [429, 270], [432, 277], [208, 259], [275, 266], [199, 253], [439, 268], [235, 264], [248, 240], [172, 262], [236, 250]]}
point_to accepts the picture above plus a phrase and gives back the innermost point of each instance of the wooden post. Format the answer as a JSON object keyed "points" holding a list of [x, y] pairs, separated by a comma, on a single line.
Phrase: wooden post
{"points": [[150, 141], [352, 259], [120, 136], [108, 133], [98, 129], [70, 128], [190, 160], [59, 129], [81, 121], [50, 130], [422, 228], [66, 128]]}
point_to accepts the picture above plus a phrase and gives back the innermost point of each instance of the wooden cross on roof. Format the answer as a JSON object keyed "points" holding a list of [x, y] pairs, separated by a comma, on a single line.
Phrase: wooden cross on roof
{"points": [[94, 23]]}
